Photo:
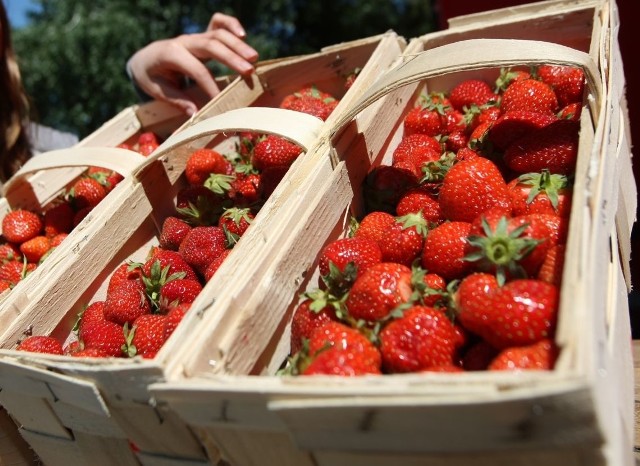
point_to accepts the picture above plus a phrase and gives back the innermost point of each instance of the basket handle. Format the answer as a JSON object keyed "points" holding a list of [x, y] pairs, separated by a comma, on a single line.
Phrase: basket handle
{"points": [[122, 161], [300, 128], [473, 54]]}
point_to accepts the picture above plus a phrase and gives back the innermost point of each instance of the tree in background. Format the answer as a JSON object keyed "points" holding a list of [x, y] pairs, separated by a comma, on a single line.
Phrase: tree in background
{"points": [[73, 52]]}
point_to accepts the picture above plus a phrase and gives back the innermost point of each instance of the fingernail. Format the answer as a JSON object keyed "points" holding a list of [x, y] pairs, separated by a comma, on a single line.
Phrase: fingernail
{"points": [[190, 111]]}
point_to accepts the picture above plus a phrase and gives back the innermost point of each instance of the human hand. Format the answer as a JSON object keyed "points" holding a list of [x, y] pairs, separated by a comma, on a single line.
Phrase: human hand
{"points": [[160, 67]]}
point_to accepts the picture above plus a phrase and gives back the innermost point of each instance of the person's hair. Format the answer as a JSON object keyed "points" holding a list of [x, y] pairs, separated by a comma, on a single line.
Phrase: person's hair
{"points": [[14, 109]]}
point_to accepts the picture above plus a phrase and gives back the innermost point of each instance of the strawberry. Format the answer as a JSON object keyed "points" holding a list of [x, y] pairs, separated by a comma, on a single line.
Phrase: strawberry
{"points": [[274, 151], [9, 252], [215, 264], [567, 82], [36, 248], [519, 313], [476, 115], [21, 225], [359, 252], [415, 151], [420, 200], [541, 355], [89, 353], [422, 338], [570, 112], [379, 290], [4, 285], [426, 120], [246, 189], [455, 140], [14, 271], [514, 124], [202, 163], [174, 317], [148, 137], [508, 76], [509, 247], [530, 95], [541, 193], [471, 187], [198, 205], [551, 269], [86, 192], [558, 226], [173, 260], [471, 92], [173, 231], [311, 100], [147, 148], [97, 333], [435, 289], [58, 239], [375, 225], [445, 248], [478, 356], [553, 147], [58, 219], [336, 349], [146, 336], [40, 344], [307, 318], [235, 221], [123, 273], [126, 303], [180, 290], [403, 241], [351, 78], [202, 245]]}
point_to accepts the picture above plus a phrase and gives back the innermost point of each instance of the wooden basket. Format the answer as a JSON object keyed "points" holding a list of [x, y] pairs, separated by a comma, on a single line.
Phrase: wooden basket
{"points": [[579, 413], [86, 407]]}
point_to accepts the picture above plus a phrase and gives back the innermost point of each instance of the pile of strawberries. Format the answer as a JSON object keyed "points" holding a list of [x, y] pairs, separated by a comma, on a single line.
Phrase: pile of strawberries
{"points": [[222, 195], [457, 263], [28, 236]]}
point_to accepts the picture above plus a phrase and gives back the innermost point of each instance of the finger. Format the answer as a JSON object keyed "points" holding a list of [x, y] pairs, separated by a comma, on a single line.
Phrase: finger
{"points": [[231, 23], [224, 47], [188, 65]]}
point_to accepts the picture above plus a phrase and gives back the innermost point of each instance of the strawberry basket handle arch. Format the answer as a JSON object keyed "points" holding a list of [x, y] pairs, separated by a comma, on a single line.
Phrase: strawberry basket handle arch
{"points": [[123, 161], [299, 128], [475, 54]]}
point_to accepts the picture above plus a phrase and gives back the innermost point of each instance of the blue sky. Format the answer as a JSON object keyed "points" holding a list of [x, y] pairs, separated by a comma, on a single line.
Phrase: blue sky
{"points": [[16, 10]]}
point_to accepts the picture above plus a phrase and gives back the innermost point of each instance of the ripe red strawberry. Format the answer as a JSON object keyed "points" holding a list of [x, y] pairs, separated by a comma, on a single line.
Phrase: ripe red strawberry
{"points": [[41, 344], [379, 290], [36, 248], [58, 219], [359, 251], [553, 147], [374, 225], [4, 286], [571, 112], [174, 317], [172, 259], [336, 349], [476, 115], [89, 353], [471, 92], [471, 187], [306, 319], [420, 200], [215, 264], [514, 124], [148, 137], [86, 192], [435, 289], [201, 246], [567, 82], [445, 249], [415, 151], [58, 239], [538, 356], [531, 95], [173, 231], [180, 290], [508, 76], [541, 193], [147, 149], [146, 336], [274, 152], [312, 101], [21, 225], [10, 252], [510, 247], [551, 269], [558, 226], [202, 163], [404, 240], [246, 189], [97, 333], [521, 312], [124, 272], [426, 120], [236, 220], [126, 303], [422, 338], [14, 271]]}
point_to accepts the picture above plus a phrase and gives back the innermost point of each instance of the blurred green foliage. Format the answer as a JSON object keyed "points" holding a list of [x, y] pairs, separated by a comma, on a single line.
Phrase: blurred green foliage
{"points": [[73, 52]]}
